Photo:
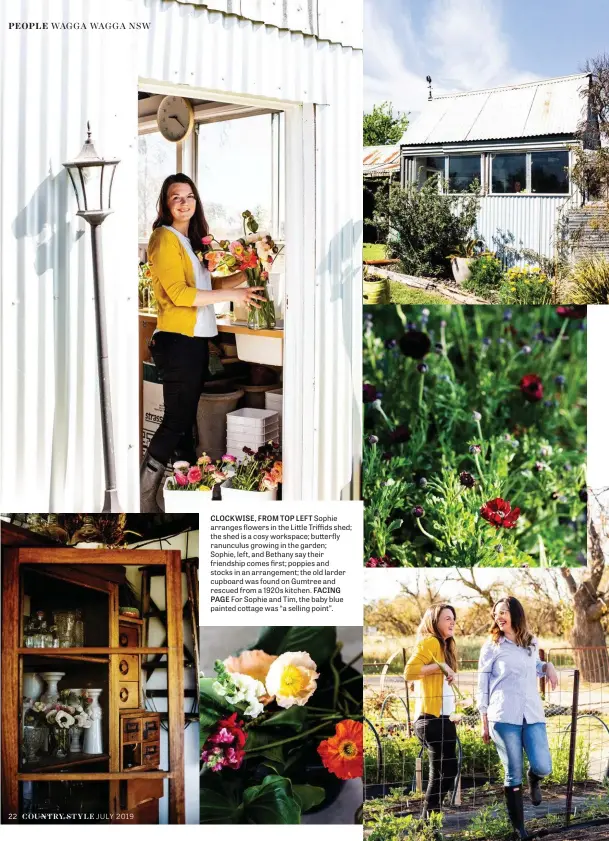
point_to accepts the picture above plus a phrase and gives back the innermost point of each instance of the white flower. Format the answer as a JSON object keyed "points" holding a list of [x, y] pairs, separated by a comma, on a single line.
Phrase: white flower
{"points": [[51, 716], [71, 709], [245, 690], [292, 678], [83, 720], [64, 719], [78, 708], [39, 706]]}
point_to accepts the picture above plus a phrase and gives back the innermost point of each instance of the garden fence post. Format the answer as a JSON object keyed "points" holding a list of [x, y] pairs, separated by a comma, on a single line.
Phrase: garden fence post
{"points": [[572, 746], [542, 679], [419, 773], [408, 721]]}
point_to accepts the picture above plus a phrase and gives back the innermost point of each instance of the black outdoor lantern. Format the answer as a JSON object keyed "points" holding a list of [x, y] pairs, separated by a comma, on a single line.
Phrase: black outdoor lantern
{"points": [[92, 177]]}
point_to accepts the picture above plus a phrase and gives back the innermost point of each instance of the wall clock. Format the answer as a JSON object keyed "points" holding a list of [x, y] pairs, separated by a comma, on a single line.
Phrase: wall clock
{"points": [[175, 118]]}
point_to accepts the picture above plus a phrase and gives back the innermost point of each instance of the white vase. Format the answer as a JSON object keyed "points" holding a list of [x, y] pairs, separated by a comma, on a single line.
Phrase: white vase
{"points": [[93, 742], [75, 734], [51, 679], [32, 685]]}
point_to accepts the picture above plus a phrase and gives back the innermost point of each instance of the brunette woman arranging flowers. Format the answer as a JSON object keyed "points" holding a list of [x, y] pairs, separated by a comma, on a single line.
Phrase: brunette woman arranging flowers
{"points": [[434, 664], [185, 295], [510, 707]]}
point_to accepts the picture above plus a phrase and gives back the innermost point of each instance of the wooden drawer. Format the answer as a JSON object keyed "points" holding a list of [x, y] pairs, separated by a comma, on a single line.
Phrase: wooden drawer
{"points": [[128, 635], [151, 729], [129, 695], [132, 729], [147, 812], [137, 792], [128, 667], [151, 754]]}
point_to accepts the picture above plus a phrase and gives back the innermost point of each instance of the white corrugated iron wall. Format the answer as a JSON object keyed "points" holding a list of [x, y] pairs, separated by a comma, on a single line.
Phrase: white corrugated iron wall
{"points": [[237, 56], [50, 435], [531, 219], [52, 82]]}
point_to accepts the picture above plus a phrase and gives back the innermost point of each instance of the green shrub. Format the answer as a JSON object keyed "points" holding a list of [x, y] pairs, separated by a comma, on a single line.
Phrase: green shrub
{"points": [[390, 828], [422, 226], [525, 285], [590, 281], [486, 275]]}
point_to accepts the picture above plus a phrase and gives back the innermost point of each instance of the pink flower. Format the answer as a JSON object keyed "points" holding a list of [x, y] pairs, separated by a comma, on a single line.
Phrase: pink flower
{"points": [[207, 240], [194, 475], [236, 248], [264, 275], [180, 478], [204, 459], [210, 468], [230, 459]]}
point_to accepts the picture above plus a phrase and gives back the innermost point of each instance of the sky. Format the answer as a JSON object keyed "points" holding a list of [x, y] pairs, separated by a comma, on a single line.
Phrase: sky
{"points": [[473, 44]]}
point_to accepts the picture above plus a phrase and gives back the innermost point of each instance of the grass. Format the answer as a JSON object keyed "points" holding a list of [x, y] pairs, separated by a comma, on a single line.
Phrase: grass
{"points": [[374, 251], [399, 293]]}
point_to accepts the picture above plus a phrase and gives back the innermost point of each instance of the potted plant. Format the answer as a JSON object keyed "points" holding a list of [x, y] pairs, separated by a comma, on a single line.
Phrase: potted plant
{"points": [[257, 477], [375, 288], [200, 479], [462, 258]]}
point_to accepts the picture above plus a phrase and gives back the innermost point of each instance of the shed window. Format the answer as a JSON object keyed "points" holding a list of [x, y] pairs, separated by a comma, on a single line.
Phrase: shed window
{"points": [[463, 170], [509, 173], [550, 172], [156, 160]]}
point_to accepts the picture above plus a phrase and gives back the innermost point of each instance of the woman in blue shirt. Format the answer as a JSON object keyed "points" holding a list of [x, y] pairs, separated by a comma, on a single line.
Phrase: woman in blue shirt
{"points": [[510, 707]]}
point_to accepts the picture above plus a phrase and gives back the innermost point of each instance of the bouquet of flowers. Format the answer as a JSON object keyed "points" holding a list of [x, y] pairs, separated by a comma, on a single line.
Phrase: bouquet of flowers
{"points": [[259, 470], [463, 703], [147, 300], [280, 727], [201, 476], [253, 254]]}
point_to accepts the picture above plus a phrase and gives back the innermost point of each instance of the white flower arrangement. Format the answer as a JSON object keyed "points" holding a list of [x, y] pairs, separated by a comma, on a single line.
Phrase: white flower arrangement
{"points": [[243, 689], [64, 719]]}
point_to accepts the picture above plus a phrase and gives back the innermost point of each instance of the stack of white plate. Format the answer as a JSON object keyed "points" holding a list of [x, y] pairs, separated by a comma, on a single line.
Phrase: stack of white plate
{"points": [[273, 400], [250, 428]]}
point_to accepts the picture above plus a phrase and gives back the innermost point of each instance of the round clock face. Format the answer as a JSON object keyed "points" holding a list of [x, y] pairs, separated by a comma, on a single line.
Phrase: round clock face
{"points": [[175, 118]]}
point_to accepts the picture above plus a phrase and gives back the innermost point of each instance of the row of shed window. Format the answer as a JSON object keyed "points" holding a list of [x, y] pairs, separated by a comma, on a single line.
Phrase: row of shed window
{"points": [[520, 172]]}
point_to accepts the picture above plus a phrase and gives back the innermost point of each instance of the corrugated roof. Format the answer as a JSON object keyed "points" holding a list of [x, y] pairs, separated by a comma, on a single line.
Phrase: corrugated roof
{"points": [[381, 160], [546, 107]]}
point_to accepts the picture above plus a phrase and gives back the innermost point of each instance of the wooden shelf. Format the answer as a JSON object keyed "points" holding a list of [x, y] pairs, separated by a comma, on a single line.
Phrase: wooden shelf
{"points": [[225, 325], [72, 652], [133, 620], [47, 764]]}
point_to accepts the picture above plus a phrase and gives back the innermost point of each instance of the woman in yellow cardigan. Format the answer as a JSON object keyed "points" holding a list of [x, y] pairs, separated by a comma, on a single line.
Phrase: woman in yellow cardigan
{"points": [[436, 703], [185, 294]]}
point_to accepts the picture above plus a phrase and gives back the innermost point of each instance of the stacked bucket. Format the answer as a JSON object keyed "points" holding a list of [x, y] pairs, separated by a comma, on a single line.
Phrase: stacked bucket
{"points": [[273, 400], [250, 428]]}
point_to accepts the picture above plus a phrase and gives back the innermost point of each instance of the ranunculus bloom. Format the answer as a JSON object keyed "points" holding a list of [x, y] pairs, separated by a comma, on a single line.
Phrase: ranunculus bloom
{"points": [[343, 753], [292, 679], [180, 478], [203, 459], [381, 563], [532, 388], [498, 512], [572, 311], [229, 459], [415, 344], [254, 663], [369, 393], [194, 475]]}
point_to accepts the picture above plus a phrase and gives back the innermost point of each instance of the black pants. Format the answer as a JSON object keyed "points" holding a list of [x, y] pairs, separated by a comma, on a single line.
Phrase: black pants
{"points": [[183, 366], [439, 735]]}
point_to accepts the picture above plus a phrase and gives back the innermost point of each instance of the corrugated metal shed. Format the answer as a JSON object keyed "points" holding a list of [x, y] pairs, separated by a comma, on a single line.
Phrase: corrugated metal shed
{"points": [[548, 107], [381, 160], [340, 21], [51, 83]]}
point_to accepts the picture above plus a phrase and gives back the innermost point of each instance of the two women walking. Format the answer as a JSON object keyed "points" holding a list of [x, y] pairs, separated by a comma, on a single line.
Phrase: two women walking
{"points": [[508, 701]]}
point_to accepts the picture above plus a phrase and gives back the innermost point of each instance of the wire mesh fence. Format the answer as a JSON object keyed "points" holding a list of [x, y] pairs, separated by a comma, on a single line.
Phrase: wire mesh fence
{"points": [[397, 772]]}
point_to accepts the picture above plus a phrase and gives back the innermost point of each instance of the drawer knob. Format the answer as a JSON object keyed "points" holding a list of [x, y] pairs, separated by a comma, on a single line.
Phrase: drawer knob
{"points": [[123, 640], [123, 667], [124, 694]]}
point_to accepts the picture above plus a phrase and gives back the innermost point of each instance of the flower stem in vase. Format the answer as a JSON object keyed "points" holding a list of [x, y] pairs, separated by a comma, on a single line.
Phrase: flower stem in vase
{"points": [[262, 317]]}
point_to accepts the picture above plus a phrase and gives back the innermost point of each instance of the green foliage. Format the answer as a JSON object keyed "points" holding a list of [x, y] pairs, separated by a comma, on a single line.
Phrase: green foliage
{"points": [[532, 453], [559, 748], [422, 226], [490, 822], [271, 802], [399, 293], [382, 128], [391, 828], [589, 279], [485, 277]]}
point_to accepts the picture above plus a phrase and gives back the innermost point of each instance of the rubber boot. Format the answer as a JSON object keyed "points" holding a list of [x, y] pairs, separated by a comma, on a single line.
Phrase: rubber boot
{"points": [[534, 788], [515, 807], [151, 476]]}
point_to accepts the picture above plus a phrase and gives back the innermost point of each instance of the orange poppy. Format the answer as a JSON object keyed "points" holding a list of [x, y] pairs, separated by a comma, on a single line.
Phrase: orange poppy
{"points": [[343, 753]]}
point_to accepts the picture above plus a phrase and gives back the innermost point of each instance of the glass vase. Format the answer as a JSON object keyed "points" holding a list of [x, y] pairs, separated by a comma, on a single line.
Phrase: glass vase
{"points": [[66, 623], [262, 317], [61, 741], [33, 738]]}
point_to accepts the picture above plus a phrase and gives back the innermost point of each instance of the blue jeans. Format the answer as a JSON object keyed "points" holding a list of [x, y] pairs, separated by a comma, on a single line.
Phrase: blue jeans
{"points": [[511, 739]]}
